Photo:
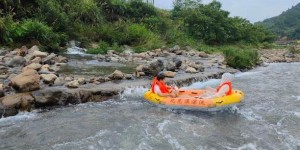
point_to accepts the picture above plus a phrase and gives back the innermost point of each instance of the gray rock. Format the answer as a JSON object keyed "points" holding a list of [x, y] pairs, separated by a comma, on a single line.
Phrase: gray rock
{"points": [[60, 97], [49, 59], [16, 61]]}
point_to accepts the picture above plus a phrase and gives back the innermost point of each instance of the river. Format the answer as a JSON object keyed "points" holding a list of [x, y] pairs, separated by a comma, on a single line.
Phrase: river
{"points": [[269, 118]]}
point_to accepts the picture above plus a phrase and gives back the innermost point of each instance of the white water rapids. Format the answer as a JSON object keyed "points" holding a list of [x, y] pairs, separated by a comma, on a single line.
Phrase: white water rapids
{"points": [[268, 119]]}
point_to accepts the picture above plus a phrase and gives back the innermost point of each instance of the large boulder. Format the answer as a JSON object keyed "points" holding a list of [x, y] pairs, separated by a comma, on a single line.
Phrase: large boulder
{"points": [[16, 61], [60, 96], [26, 81], [117, 75], [22, 101], [154, 67]]}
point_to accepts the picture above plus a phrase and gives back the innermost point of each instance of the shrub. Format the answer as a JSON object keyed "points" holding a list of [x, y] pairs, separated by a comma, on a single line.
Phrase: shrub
{"points": [[103, 47], [33, 30], [241, 58]]}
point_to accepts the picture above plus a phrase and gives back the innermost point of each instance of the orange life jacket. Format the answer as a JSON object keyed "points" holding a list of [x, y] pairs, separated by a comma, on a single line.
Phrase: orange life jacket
{"points": [[162, 86], [230, 87]]}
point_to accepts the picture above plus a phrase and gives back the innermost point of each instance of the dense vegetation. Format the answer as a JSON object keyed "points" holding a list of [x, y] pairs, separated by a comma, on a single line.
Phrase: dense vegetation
{"points": [[286, 24], [113, 23]]}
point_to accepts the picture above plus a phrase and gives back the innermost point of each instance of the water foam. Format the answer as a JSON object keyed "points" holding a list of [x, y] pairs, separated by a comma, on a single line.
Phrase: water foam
{"points": [[202, 85], [136, 92], [76, 50], [80, 143], [22, 116], [248, 146]]}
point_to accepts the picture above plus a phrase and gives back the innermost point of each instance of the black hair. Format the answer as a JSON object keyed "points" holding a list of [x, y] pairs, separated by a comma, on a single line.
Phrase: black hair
{"points": [[160, 76]]}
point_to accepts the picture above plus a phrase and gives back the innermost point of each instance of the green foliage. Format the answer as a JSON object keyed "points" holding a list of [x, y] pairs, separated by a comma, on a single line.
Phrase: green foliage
{"points": [[294, 50], [33, 30], [113, 23], [103, 47], [241, 58], [286, 24]]}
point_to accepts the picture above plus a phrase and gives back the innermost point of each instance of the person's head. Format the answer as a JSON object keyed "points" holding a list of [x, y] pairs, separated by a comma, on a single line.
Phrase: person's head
{"points": [[160, 76], [227, 77]]}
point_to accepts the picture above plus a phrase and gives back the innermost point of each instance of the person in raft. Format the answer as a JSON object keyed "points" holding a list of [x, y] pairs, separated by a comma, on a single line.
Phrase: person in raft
{"points": [[225, 87], [159, 87]]}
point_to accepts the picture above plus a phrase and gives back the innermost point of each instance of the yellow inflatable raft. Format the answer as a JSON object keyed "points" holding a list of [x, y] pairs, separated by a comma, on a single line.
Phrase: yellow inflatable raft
{"points": [[188, 99]]}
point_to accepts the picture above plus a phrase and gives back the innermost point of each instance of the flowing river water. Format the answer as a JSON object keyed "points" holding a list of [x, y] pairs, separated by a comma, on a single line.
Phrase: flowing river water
{"points": [[269, 118]]}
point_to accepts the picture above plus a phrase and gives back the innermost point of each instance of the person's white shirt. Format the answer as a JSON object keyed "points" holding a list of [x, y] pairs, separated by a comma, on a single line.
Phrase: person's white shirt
{"points": [[156, 89]]}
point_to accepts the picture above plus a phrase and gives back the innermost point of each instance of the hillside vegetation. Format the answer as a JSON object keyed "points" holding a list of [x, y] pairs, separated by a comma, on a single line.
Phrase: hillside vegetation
{"points": [[286, 24], [113, 23]]}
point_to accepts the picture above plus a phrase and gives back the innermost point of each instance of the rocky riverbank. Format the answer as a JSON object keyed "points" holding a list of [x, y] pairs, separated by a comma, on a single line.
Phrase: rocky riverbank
{"points": [[29, 78]]}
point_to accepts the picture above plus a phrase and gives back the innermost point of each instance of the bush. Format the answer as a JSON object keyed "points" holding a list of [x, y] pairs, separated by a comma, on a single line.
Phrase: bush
{"points": [[241, 58], [33, 30], [103, 47]]}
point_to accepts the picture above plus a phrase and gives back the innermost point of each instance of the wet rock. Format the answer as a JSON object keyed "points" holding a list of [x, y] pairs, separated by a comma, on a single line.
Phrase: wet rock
{"points": [[117, 75], [81, 81], [59, 97], [49, 59], [3, 70], [140, 74], [26, 81], [139, 68], [16, 61], [59, 82], [1, 91], [23, 51], [68, 78], [169, 74], [128, 76], [48, 78], [191, 70], [22, 101], [73, 84], [3, 52], [6, 111], [45, 68], [36, 60], [202, 54], [154, 67], [39, 54], [33, 49], [171, 66], [101, 79], [60, 59], [34, 66]]}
